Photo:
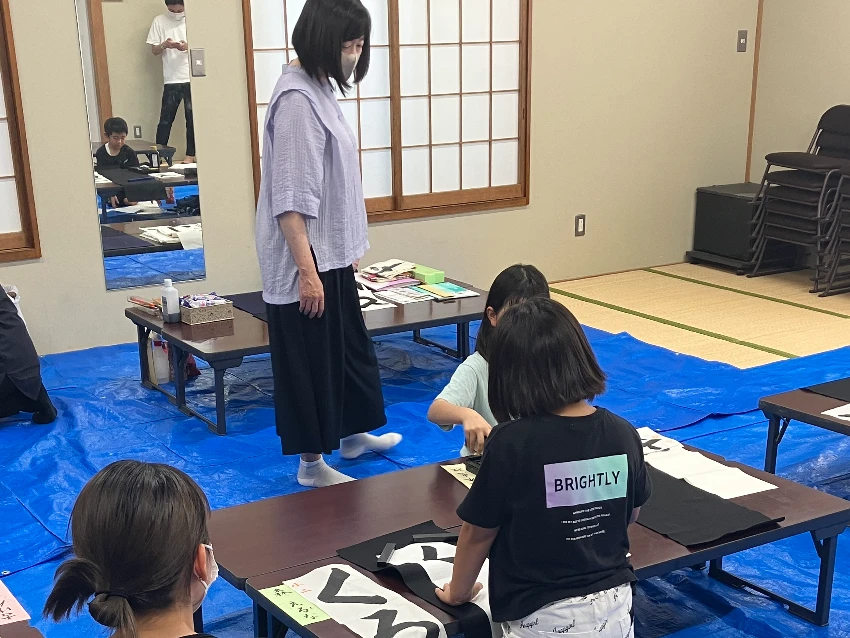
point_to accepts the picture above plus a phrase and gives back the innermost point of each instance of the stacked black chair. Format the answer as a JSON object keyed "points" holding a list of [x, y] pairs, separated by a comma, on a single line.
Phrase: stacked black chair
{"points": [[797, 199], [838, 240]]}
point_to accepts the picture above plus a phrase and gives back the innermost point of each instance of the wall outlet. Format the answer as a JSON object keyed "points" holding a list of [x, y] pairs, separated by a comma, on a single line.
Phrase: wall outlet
{"points": [[137, 132], [580, 225], [742, 41]]}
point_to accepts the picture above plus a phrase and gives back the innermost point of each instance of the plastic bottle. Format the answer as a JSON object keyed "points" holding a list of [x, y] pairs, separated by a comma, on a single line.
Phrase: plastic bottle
{"points": [[159, 358], [170, 303]]}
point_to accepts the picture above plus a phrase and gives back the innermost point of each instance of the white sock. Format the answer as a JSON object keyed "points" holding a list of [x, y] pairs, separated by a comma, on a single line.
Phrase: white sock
{"points": [[319, 474], [358, 444]]}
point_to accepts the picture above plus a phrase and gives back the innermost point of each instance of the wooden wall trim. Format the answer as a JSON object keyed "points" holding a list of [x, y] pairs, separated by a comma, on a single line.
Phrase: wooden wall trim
{"points": [[26, 244], [252, 94], [97, 33], [753, 95]]}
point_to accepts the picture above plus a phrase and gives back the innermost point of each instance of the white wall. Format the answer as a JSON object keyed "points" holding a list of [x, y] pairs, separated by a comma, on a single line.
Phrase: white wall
{"points": [[635, 103], [804, 69], [135, 74]]}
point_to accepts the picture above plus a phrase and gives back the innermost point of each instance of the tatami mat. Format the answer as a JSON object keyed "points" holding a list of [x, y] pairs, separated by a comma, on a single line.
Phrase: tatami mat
{"points": [[713, 314]]}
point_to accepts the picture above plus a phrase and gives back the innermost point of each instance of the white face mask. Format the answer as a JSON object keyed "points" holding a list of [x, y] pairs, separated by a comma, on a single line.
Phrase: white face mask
{"points": [[349, 63], [213, 569], [177, 16]]}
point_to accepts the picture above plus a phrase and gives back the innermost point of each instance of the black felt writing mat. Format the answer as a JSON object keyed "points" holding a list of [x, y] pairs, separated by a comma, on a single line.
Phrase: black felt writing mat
{"points": [[839, 389], [691, 516]]}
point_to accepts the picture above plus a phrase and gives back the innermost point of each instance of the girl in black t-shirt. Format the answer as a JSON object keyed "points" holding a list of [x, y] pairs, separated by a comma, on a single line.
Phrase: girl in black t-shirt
{"points": [[559, 484], [143, 561]]}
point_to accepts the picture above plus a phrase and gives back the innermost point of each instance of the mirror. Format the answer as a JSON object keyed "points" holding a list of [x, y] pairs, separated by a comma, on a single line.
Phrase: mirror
{"points": [[135, 57]]}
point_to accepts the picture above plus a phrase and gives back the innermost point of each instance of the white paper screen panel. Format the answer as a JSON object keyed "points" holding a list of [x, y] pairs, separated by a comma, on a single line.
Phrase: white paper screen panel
{"points": [[468, 60], [2, 102], [459, 66], [378, 10], [293, 12], [506, 27], [268, 65], [377, 173], [7, 168], [377, 81], [268, 24], [505, 157], [10, 215]]}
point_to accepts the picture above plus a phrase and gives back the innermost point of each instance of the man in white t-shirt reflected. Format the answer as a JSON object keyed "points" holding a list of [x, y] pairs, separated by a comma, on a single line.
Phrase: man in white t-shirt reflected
{"points": [[167, 38]]}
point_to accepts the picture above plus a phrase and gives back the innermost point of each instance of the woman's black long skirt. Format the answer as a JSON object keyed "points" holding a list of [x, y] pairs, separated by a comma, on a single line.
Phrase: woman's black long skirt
{"points": [[327, 385]]}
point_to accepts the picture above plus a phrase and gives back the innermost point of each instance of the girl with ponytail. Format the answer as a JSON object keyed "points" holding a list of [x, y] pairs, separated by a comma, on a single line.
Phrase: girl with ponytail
{"points": [[143, 562]]}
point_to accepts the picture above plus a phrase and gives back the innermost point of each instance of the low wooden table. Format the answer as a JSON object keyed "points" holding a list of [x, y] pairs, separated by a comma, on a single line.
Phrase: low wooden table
{"points": [[108, 190], [225, 344], [134, 229], [797, 405], [19, 630], [263, 543]]}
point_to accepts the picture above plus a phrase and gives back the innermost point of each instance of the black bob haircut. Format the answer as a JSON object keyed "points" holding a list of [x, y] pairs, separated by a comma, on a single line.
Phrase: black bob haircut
{"points": [[319, 33], [115, 125], [540, 361], [171, 3], [514, 284]]}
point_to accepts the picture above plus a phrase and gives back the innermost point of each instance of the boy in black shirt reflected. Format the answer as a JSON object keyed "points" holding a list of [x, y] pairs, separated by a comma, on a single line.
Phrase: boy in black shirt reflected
{"points": [[559, 484]]}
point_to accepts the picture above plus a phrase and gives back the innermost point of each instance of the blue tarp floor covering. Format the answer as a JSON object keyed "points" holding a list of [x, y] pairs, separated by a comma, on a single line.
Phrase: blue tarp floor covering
{"points": [[106, 415]]}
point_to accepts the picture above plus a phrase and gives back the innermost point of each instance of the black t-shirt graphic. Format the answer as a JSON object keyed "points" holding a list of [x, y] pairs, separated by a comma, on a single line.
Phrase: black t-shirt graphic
{"points": [[125, 159], [561, 490]]}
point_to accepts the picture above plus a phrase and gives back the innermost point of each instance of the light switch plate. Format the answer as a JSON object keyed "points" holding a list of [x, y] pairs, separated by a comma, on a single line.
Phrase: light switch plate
{"points": [[742, 41], [137, 132], [198, 63]]}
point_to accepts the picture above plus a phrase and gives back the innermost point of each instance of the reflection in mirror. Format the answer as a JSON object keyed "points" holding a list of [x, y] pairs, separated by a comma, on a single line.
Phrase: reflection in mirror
{"points": [[136, 71]]}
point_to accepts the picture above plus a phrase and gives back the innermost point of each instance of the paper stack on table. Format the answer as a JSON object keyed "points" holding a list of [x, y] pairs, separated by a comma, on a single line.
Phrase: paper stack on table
{"points": [[368, 300], [387, 274], [670, 457], [446, 290], [404, 295], [100, 180]]}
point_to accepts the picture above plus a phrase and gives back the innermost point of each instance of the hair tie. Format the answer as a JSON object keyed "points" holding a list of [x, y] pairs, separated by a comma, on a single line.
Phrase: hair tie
{"points": [[110, 594]]}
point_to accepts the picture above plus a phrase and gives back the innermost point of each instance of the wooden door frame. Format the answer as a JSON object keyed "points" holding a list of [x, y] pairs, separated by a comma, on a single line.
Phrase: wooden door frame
{"points": [[97, 35]]}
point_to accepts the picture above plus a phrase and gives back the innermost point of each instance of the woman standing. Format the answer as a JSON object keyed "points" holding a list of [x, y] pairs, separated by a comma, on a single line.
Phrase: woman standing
{"points": [[311, 232]]}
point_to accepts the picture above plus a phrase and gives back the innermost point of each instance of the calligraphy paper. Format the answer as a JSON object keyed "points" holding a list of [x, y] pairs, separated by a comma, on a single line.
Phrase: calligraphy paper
{"points": [[460, 473], [294, 605], [10, 609], [362, 605]]}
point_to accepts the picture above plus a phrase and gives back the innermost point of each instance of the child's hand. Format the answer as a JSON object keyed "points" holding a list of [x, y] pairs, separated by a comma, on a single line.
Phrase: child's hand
{"points": [[476, 430], [447, 596]]}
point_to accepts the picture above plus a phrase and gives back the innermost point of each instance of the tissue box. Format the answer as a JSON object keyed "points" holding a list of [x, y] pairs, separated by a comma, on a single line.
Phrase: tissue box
{"points": [[429, 275], [194, 316]]}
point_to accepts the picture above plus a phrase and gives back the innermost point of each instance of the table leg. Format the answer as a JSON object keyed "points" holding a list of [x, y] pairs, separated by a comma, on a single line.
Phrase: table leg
{"points": [[826, 551], [261, 622], [463, 340], [178, 362], [825, 541], [220, 416], [776, 428], [144, 369], [276, 628]]}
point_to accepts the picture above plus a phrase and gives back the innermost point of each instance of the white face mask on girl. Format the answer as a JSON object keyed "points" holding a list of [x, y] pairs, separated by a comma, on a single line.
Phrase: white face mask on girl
{"points": [[213, 570], [177, 16], [349, 63]]}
